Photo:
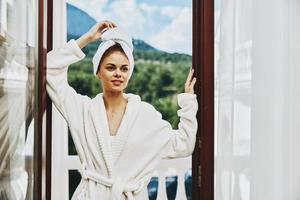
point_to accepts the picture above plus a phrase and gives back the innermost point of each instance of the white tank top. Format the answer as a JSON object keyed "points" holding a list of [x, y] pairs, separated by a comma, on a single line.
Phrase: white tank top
{"points": [[115, 144]]}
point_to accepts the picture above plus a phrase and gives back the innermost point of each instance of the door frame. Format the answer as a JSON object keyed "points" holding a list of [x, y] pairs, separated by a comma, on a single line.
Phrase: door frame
{"points": [[42, 131], [203, 62]]}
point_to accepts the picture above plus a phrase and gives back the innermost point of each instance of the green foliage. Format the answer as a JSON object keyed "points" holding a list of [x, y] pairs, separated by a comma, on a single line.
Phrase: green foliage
{"points": [[168, 107], [158, 76], [84, 83], [161, 56]]}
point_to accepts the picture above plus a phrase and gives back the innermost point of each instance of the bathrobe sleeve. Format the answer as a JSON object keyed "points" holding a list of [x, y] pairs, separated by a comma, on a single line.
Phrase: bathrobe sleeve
{"points": [[64, 97], [182, 140]]}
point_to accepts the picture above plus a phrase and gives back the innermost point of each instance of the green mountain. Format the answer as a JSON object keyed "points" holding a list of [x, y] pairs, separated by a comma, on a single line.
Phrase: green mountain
{"points": [[142, 52], [78, 21], [140, 44]]}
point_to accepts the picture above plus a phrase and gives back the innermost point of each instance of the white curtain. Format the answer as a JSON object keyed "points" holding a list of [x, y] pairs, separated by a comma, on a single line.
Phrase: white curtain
{"points": [[257, 100], [17, 72]]}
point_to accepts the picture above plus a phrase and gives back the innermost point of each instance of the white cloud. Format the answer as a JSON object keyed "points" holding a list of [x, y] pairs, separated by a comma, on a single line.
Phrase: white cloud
{"points": [[177, 36], [173, 33], [171, 11], [149, 9], [128, 14]]}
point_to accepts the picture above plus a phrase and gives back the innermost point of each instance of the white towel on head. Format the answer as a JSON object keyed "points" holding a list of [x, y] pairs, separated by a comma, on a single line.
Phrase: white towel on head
{"points": [[111, 37]]}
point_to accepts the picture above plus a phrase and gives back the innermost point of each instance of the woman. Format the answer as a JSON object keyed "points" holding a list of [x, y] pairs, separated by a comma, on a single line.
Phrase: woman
{"points": [[119, 138]]}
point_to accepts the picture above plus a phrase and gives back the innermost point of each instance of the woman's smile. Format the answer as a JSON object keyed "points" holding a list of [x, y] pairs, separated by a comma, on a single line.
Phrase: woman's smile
{"points": [[117, 82]]}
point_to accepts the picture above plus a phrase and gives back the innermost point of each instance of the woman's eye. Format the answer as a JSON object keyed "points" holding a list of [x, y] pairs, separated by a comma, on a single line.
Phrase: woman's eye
{"points": [[110, 68], [124, 69]]}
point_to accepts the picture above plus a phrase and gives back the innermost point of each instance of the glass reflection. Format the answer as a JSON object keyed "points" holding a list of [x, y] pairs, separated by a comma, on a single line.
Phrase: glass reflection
{"points": [[16, 100]]}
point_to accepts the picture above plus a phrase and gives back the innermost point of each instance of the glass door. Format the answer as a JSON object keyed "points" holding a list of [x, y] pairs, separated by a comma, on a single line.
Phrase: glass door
{"points": [[162, 64], [20, 102]]}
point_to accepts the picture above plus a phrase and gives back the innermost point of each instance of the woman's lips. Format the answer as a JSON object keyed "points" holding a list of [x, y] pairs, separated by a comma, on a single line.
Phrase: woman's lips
{"points": [[117, 82]]}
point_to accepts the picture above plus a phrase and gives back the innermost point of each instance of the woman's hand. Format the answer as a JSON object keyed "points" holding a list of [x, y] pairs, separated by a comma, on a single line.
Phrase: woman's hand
{"points": [[190, 82], [94, 33]]}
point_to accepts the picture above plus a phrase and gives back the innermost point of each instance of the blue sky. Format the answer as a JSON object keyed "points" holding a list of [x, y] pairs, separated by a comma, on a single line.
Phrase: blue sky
{"points": [[168, 2], [164, 24]]}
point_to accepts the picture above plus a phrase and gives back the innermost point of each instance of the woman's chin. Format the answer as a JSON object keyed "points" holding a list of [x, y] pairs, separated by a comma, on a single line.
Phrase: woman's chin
{"points": [[116, 89]]}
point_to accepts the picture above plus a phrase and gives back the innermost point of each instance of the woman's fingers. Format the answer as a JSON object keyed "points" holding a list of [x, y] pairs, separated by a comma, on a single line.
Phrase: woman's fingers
{"points": [[96, 31], [190, 75], [190, 82], [106, 24], [110, 24], [193, 82], [190, 88]]}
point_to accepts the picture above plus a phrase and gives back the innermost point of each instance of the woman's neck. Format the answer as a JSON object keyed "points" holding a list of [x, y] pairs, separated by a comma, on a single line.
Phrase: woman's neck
{"points": [[114, 100]]}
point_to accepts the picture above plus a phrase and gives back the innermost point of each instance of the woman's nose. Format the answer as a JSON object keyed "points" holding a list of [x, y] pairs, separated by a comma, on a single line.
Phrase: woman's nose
{"points": [[117, 73]]}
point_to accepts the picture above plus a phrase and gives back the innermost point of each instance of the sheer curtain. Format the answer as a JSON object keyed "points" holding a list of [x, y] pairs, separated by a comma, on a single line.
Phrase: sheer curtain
{"points": [[257, 103], [17, 76]]}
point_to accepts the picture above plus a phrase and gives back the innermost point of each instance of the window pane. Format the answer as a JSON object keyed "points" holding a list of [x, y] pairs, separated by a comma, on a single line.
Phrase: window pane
{"points": [[162, 53], [74, 180], [71, 149]]}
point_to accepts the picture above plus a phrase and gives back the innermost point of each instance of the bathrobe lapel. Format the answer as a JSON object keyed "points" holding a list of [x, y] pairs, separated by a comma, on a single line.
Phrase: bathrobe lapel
{"points": [[100, 123], [128, 121], [98, 115]]}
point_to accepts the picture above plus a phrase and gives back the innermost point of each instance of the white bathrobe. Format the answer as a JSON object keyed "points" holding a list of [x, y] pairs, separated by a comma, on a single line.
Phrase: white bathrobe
{"points": [[144, 137]]}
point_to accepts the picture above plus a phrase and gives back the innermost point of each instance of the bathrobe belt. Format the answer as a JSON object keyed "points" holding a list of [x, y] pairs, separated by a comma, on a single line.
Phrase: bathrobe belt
{"points": [[115, 184]]}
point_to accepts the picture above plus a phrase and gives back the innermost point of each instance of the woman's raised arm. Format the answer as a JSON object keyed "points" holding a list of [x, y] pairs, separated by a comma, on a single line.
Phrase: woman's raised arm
{"points": [[182, 140], [94, 33], [63, 96]]}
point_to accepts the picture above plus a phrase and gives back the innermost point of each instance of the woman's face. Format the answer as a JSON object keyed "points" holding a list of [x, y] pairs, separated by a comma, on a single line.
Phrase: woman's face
{"points": [[114, 71]]}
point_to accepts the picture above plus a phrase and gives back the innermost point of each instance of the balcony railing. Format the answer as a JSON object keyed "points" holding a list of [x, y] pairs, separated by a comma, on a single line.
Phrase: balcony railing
{"points": [[172, 180]]}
